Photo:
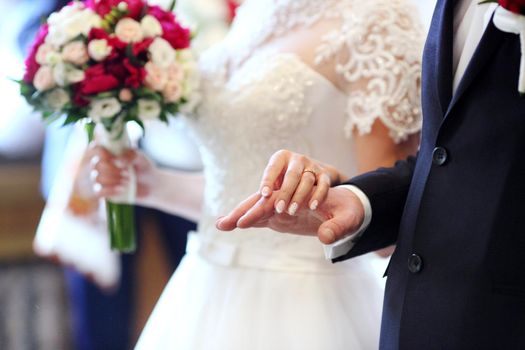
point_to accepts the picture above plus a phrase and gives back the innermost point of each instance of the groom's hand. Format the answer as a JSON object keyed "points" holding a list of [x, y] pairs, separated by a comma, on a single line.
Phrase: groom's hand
{"points": [[340, 214]]}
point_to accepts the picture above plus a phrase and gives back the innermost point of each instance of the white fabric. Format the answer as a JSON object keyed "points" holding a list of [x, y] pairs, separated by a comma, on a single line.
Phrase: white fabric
{"points": [[256, 288], [470, 21], [343, 246]]}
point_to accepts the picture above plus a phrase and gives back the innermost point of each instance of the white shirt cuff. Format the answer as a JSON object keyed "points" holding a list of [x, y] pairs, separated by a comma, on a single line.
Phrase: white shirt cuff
{"points": [[345, 244]]}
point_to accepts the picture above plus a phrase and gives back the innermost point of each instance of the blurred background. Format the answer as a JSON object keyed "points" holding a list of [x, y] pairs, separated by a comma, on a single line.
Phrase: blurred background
{"points": [[44, 305]]}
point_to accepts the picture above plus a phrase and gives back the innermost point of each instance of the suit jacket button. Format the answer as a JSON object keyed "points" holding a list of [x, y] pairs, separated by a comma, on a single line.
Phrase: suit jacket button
{"points": [[439, 156], [415, 263]]}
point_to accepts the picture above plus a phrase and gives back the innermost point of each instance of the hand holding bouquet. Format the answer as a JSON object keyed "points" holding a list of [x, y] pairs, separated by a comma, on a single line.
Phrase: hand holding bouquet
{"points": [[109, 62]]}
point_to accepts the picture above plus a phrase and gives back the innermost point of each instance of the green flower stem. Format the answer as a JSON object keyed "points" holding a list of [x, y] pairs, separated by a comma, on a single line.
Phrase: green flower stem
{"points": [[121, 227]]}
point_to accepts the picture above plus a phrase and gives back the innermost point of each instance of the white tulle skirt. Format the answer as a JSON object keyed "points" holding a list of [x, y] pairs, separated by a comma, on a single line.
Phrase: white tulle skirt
{"points": [[208, 306]]}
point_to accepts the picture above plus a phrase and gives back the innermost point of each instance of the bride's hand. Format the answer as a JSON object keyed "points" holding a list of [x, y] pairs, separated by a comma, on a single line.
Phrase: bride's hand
{"points": [[341, 213], [110, 176], [298, 179]]}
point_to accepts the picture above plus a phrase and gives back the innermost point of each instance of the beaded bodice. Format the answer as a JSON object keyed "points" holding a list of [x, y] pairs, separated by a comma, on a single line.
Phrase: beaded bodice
{"points": [[259, 97]]}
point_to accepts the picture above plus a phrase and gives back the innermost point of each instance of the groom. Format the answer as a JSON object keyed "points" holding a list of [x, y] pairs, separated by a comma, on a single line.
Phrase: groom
{"points": [[456, 211]]}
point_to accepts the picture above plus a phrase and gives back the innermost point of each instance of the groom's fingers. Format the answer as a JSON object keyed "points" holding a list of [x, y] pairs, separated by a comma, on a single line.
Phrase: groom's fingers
{"points": [[229, 222], [343, 223]]}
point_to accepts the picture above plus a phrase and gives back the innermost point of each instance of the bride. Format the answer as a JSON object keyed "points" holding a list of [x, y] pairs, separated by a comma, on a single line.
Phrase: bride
{"points": [[323, 78]]}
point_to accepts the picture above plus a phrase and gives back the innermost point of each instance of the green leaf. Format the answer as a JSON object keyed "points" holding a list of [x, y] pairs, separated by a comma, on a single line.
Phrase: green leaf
{"points": [[171, 7], [70, 119], [132, 58], [90, 129]]}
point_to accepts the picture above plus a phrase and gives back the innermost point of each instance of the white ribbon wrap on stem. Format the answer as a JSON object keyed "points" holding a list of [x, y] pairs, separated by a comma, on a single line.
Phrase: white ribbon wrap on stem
{"points": [[511, 22], [117, 141]]}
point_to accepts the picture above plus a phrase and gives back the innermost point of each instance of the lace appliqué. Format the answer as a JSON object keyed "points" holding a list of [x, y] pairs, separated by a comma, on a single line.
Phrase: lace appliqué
{"points": [[378, 54]]}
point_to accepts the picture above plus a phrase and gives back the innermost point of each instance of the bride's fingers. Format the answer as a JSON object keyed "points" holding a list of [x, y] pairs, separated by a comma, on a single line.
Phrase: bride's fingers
{"points": [[229, 222], [274, 170], [292, 178], [302, 192], [105, 192], [259, 212], [320, 192]]}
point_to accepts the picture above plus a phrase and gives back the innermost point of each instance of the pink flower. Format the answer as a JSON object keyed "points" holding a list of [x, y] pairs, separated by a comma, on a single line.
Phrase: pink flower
{"points": [[129, 31], [172, 91], [76, 53], [125, 95], [175, 72], [31, 64], [155, 77], [44, 79]]}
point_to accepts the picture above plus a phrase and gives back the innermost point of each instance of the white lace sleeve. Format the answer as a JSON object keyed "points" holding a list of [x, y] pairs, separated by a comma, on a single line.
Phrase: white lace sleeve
{"points": [[376, 53]]}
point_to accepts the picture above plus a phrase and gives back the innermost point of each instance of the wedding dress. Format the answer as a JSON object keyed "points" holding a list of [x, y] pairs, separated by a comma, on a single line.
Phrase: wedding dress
{"points": [[258, 289]]}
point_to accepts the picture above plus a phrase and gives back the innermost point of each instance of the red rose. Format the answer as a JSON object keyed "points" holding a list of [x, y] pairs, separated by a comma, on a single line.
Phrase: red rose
{"points": [[136, 75], [142, 46], [516, 6], [31, 64], [160, 14], [98, 80], [103, 7], [178, 36], [79, 99], [173, 32]]}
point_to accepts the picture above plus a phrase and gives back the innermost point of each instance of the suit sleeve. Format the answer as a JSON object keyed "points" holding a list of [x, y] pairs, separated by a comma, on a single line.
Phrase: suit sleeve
{"points": [[387, 190]]}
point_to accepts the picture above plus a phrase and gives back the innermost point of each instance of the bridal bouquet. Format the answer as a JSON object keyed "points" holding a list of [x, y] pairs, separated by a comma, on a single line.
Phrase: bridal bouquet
{"points": [[106, 63]]}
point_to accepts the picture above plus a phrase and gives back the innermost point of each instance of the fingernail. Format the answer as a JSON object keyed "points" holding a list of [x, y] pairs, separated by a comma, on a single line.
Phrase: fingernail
{"points": [[119, 163], [265, 191], [280, 206], [292, 209], [97, 187], [329, 234], [93, 174], [95, 160], [314, 204]]}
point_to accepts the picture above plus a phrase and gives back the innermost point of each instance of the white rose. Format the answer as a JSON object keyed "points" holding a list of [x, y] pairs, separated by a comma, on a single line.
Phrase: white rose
{"points": [[148, 109], [150, 26], [44, 79], [104, 108], [71, 21], [161, 52], [74, 76], [75, 52], [129, 31], [66, 74], [57, 99], [53, 58], [99, 49], [43, 51]]}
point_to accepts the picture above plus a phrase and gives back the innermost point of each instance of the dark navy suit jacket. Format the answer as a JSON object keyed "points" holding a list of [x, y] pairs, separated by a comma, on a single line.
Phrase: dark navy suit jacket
{"points": [[457, 210]]}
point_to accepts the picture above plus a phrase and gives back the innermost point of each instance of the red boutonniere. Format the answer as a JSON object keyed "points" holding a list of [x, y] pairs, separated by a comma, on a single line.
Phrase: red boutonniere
{"points": [[510, 18], [232, 9]]}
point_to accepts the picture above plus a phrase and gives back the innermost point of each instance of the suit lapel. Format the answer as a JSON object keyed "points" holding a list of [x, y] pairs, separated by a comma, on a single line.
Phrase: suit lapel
{"points": [[490, 41], [444, 52]]}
